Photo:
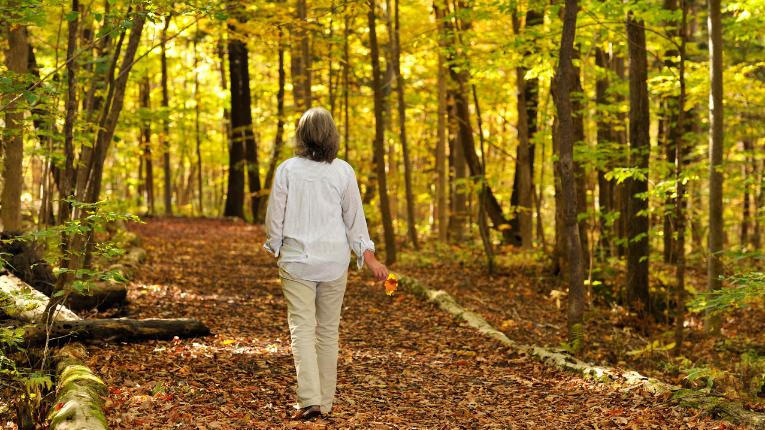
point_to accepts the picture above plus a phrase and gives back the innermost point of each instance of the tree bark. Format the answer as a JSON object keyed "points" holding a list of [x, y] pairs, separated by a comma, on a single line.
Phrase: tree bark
{"points": [[390, 239], [443, 212], [16, 60], [670, 118], [575, 314], [637, 219], [146, 134], [524, 163], [198, 139], [278, 139], [680, 191], [65, 208], [166, 123], [241, 127], [716, 139], [411, 217], [116, 330], [111, 114], [605, 187]]}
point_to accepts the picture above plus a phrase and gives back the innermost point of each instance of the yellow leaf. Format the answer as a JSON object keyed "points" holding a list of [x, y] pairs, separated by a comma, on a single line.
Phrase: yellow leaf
{"points": [[391, 284]]}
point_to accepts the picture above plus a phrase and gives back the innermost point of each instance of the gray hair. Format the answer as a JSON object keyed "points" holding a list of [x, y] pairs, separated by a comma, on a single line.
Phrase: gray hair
{"points": [[316, 136]]}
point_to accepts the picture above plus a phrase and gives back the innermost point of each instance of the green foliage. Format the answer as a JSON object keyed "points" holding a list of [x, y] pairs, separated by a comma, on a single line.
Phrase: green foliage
{"points": [[740, 289]]}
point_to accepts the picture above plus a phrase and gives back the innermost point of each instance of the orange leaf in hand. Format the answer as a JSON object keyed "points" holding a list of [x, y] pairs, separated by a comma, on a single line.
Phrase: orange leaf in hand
{"points": [[391, 284]]}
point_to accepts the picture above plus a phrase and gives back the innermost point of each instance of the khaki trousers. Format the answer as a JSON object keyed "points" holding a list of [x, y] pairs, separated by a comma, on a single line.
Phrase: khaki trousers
{"points": [[313, 313]]}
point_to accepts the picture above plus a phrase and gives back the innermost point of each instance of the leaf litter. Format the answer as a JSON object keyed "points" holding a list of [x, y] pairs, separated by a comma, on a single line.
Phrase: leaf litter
{"points": [[405, 365]]}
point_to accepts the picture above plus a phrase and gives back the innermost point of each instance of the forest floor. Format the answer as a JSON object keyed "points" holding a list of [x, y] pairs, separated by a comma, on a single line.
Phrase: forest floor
{"points": [[403, 363], [523, 300]]}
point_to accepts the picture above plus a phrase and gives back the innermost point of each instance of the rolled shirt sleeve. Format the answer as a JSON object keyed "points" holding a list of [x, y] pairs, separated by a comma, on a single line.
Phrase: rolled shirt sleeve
{"points": [[355, 223], [277, 203]]}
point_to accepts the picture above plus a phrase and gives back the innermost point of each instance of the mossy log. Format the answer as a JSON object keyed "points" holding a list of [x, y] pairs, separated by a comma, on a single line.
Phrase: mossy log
{"points": [[116, 330], [108, 294], [78, 404], [720, 407], [30, 302]]}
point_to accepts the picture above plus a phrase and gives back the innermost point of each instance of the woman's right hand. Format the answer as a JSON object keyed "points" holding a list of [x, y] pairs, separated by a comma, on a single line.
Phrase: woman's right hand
{"points": [[377, 268]]}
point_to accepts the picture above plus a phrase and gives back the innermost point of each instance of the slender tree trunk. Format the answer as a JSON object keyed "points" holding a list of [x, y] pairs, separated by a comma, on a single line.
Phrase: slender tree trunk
{"points": [[411, 217], [146, 133], [716, 137], [240, 107], [279, 139], [568, 186], [620, 190], [459, 176], [443, 212], [637, 231], [580, 172], [524, 164], [65, 208], [346, 88], [305, 51], [680, 191], [16, 60], [671, 117], [390, 239], [165, 135], [605, 197], [112, 113], [745, 173], [198, 139]]}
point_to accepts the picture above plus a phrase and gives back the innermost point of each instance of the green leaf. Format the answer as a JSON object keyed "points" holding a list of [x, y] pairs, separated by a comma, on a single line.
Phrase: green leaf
{"points": [[221, 16], [30, 96], [71, 16], [99, 17]]}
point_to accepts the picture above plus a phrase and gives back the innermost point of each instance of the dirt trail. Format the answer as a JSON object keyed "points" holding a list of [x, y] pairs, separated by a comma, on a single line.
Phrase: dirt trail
{"points": [[403, 363]]}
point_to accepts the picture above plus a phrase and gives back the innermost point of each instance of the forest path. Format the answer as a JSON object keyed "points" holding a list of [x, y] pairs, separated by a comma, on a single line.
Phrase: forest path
{"points": [[403, 363]]}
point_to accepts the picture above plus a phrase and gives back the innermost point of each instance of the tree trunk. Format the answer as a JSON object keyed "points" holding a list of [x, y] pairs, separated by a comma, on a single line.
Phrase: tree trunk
{"points": [[146, 133], [620, 190], [237, 55], [458, 167], [111, 113], [716, 138], [523, 164], [680, 192], [580, 173], [637, 219], [305, 51], [65, 207], [166, 124], [745, 174], [198, 139], [16, 60], [443, 212], [670, 118], [411, 217], [605, 187], [116, 330], [390, 238], [278, 140], [568, 187], [346, 87]]}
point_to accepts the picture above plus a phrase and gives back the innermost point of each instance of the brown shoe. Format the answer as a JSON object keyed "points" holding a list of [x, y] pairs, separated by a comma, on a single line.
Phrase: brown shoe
{"points": [[307, 412]]}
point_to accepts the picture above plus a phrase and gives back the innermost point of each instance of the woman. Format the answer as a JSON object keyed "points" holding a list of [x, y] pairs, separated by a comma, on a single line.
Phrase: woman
{"points": [[314, 218]]}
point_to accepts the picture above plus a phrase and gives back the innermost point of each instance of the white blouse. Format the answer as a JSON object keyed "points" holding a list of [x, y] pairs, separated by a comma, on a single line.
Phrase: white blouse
{"points": [[314, 217]]}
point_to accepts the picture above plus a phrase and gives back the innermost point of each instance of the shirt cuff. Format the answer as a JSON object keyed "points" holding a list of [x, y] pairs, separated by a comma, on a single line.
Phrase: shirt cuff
{"points": [[271, 249], [359, 247]]}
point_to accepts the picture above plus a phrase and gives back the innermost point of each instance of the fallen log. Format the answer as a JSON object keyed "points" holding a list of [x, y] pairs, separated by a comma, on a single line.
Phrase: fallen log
{"points": [[31, 302], [78, 404], [115, 330]]}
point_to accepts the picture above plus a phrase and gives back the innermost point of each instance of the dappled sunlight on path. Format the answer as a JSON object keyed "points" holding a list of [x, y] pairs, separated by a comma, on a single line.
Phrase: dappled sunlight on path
{"points": [[403, 363]]}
